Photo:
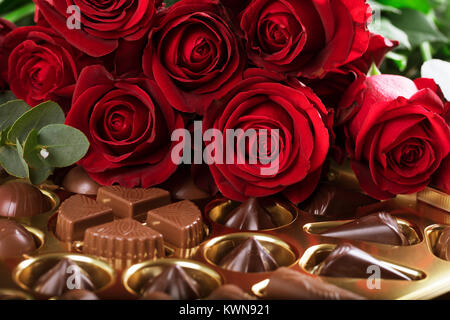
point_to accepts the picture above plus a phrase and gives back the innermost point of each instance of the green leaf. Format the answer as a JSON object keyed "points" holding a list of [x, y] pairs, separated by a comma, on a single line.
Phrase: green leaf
{"points": [[65, 145], [39, 170], [373, 71], [400, 60], [420, 5], [7, 96], [11, 111], [19, 13], [12, 161], [38, 117], [384, 27], [378, 7], [418, 27]]}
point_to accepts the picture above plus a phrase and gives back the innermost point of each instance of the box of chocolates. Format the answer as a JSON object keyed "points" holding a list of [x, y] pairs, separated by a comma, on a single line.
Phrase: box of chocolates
{"points": [[82, 241]]}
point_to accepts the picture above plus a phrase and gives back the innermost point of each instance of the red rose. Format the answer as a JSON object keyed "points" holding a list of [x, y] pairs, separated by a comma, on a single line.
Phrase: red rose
{"points": [[396, 136], [101, 23], [442, 176], [42, 65], [305, 38], [193, 55], [5, 28], [128, 123], [262, 102]]}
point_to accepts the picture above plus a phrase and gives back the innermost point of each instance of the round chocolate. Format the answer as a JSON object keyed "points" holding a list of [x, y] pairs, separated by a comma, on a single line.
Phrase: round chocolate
{"points": [[20, 199], [15, 240], [78, 181]]}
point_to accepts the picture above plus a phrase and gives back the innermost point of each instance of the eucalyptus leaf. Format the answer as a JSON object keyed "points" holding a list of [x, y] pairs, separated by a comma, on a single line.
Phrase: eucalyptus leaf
{"points": [[38, 117], [7, 96], [31, 151], [12, 162], [11, 111], [65, 145]]}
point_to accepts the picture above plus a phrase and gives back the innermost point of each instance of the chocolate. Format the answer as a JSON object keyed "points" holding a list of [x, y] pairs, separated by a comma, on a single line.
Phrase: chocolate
{"points": [[378, 227], [78, 181], [332, 201], [249, 256], [20, 199], [15, 240], [182, 187], [250, 215], [175, 282], [129, 203], [180, 223], [78, 213], [157, 295], [124, 239], [78, 295], [229, 292], [287, 284], [347, 261], [442, 247], [64, 276]]}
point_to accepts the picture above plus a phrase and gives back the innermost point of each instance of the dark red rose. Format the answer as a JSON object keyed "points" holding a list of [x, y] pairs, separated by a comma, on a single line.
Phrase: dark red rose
{"points": [[442, 176], [5, 28], [102, 23], [128, 123], [42, 65], [193, 55], [396, 135], [305, 38], [262, 102]]}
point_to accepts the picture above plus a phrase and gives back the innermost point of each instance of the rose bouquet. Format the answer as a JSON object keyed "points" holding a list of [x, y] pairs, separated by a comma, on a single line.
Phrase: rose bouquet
{"points": [[260, 93]]}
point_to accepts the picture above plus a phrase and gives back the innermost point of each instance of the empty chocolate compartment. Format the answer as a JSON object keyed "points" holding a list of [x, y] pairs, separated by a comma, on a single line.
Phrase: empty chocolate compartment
{"points": [[29, 271], [138, 276], [269, 251], [438, 239]]}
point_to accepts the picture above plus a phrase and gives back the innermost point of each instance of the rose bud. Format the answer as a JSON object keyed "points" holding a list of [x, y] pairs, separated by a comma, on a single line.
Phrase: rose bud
{"points": [[291, 137], [305, 38], [395, 134], [95, 27], [42, 65], [193, 55], [128, 123], [5, 28]]}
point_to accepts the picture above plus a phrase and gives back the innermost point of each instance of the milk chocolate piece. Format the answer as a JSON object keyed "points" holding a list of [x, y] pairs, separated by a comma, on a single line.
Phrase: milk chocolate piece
{"points": [[229, 292], [287, 284], [20, 199], [15, 240], [251, 215], [180, 223], [129, 203], [249, 256], [56, 281], [378, 227], [333, 201], [157, 295], [442, 248], [79, 213], [347, 261], [78, 295], [78, 181], [124, 239], [175, 282]]}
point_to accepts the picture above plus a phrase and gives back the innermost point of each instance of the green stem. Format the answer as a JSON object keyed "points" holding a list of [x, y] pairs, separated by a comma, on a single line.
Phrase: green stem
{"points": [[425, 50]]}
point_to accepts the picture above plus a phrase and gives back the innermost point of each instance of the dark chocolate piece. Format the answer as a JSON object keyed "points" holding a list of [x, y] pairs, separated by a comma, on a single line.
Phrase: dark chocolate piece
{"points": [[287, 284], [156, 296], [442, 247], [249, 256], [347, 261], [20, 199], [64, 276], [250, 215], [78, 295], [182, 187], [229, 292], [332, 201], [180, 223], [129, 203], [78, 181], [79, 213], [15, 240], [378, 227], [175, 282], [124, 239]]}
